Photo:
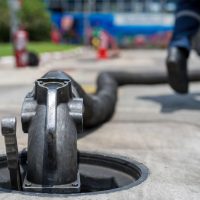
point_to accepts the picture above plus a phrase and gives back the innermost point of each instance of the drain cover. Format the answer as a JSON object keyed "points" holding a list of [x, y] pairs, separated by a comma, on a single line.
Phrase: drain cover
{"points": [[98, 172]]}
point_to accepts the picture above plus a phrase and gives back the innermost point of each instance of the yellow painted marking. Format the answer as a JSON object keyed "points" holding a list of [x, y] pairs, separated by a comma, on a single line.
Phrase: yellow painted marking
{"points": [[89, 88]]}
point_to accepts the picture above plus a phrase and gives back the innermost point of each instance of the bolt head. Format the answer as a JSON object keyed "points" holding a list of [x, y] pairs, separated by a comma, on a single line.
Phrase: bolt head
{"points": [[74, 184], [27, 184]]}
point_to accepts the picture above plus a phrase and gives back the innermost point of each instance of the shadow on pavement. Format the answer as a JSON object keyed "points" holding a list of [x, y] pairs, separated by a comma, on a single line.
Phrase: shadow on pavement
{"points": [[175, 102]]}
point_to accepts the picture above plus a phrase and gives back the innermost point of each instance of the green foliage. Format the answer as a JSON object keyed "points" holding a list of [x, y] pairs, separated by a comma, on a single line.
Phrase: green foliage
{"points": [[36, 19], [4, 21]]}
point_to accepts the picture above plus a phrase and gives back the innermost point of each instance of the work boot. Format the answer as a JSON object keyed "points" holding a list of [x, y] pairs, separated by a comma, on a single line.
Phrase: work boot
{"points": [[177, 69]]}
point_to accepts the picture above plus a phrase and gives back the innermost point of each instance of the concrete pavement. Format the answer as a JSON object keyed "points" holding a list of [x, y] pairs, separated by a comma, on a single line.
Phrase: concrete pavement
{"points": [[151, 125]]}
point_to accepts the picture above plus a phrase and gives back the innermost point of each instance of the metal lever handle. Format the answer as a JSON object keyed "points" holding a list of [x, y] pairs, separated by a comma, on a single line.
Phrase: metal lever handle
{"points": [[9, 132]]}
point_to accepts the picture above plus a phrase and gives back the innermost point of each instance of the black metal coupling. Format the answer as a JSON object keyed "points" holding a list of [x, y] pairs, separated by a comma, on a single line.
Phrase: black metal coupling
{"points": [[52, 115]]}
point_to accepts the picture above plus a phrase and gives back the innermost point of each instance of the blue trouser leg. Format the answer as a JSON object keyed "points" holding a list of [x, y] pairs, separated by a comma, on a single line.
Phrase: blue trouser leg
{"points": [[187, 23]]}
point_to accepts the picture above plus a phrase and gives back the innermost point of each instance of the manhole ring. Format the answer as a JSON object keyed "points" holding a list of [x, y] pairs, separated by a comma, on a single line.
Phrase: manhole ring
{"points": [[100, 173]]}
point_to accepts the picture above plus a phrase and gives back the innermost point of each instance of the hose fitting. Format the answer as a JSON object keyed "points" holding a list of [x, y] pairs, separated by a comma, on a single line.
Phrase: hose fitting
{"points": [[52, 116]]}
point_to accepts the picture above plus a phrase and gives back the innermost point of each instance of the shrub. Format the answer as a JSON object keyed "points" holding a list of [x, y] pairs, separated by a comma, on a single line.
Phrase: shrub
{"points": [[4, 22], [36, 19]]}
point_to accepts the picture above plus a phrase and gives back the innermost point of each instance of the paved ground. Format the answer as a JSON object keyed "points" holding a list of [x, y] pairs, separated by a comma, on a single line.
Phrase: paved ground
{"points": [[151, 125]]}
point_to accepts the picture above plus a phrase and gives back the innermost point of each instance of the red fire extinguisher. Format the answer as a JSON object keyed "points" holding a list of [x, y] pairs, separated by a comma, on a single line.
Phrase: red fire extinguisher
{"points": [[103, 48], [20, 48]]}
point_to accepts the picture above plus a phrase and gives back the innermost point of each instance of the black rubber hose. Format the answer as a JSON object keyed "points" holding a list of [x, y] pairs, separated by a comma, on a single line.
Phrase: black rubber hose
{"points": [[100, 106]]}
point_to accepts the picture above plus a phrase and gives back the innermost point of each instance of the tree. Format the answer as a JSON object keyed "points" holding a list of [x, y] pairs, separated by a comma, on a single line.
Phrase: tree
{"points": [[4, 22], [36, 19]]}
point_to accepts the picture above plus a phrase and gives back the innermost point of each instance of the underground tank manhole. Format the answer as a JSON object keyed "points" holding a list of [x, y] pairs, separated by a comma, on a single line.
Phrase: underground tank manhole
{"points": [[98, 172]]}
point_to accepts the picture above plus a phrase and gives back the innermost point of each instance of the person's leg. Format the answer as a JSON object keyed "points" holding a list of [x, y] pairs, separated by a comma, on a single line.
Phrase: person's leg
{"points": [[187, 23], [186, 26]]}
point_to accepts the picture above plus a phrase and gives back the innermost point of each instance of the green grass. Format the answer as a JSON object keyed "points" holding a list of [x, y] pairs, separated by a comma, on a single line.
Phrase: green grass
{"points": [[38, 47]]}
